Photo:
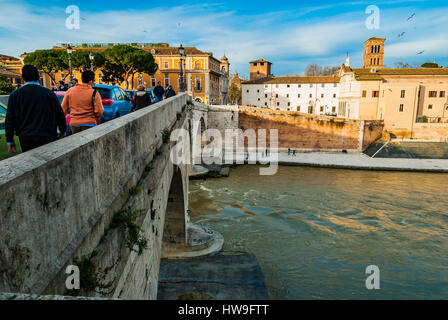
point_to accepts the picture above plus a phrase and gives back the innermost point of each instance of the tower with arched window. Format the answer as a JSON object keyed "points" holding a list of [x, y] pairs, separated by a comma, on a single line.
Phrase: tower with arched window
{"points": [[374, 53]]}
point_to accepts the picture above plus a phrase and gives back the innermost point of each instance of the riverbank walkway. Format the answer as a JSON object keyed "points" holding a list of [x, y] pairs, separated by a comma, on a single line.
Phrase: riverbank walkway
{"points": [[363, 161], [358, 161]]}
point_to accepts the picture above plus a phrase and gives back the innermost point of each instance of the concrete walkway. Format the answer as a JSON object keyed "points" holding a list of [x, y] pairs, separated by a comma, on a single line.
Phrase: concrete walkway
{"points": [[362, 161], [358, 161]]}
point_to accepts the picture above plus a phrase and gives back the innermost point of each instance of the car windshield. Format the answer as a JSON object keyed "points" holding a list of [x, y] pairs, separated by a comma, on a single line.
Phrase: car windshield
{"points": [[104, 93]]}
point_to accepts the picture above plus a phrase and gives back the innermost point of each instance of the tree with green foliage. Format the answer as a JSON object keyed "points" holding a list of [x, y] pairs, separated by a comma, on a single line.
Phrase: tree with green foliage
{"points": [[50, 61], [6, 86], [123, 61], [81, 60], [430, 65]]}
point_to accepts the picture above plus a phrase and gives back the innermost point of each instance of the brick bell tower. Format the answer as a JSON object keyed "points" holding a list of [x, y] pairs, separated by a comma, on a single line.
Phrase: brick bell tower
{"points": [[374, 53], [260, 69]]}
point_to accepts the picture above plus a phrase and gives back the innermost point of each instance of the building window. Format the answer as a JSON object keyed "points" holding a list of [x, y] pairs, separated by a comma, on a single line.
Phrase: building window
{"points": [[265, 103], [401, 108], [266, 95], [300, 86], [153, 81], [403, 93], [259, 99], [442, 94], [364, 93], [167, 65], [278, 104], [334, 95], [287, 86], [198, 86], [375, 94], [321, 109], [198, 66], [311, 95], [287, 95], [430, 106], [311, 85], [335, 85], [289, 104], [333, 109], [258, 91], [322, 95], [276, 95], [261, 63], [266, 86], [298, 96], [258, 73], [433, 94], [167, 80], [247, 90], [276, 85], [323, 85], [255, 64]]}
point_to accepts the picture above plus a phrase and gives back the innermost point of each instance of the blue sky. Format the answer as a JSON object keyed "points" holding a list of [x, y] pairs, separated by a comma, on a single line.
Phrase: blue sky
{"points": [[291, 34]]}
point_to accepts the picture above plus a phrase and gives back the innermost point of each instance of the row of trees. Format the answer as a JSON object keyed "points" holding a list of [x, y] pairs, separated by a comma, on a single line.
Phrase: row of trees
{"points": [[117, 64]]}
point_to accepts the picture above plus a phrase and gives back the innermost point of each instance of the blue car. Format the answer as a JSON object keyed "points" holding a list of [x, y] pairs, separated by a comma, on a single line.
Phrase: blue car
{"points": [[151, 95], [116, 102], [2, 118]]}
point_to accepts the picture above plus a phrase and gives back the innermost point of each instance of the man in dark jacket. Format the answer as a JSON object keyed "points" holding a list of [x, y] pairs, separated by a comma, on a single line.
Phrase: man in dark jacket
{"points": [[34, 114], [159, 92], [170, 92]]}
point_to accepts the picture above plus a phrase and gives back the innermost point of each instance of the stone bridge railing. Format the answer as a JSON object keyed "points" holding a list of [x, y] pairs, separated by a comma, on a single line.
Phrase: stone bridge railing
{"points": [[58, 201]]}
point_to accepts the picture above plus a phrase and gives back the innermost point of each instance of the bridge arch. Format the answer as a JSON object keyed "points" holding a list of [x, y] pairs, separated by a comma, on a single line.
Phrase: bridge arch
{"points": [[175, 227]]}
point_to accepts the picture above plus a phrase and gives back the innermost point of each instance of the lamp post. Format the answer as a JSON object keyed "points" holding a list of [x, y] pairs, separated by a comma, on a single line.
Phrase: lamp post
{"points": [[69, 52], [91, 57], [181, 76]]}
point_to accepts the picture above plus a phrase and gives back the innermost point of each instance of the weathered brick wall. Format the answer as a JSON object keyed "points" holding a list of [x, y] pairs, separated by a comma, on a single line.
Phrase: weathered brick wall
{"points": [[302, 131]]}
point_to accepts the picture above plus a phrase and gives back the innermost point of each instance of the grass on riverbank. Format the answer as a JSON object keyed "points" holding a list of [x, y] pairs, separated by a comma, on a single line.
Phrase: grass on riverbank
{"points": [[4, 149]]}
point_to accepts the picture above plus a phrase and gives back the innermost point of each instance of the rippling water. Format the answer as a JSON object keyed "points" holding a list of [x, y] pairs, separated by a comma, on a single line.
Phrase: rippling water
{"points": [[314, 231]]}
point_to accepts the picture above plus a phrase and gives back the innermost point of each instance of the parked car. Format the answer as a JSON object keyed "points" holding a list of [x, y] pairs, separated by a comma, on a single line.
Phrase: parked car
{"points": [[61, 95], [152, 96], [131, 95], [2, 118], [116, 102]]}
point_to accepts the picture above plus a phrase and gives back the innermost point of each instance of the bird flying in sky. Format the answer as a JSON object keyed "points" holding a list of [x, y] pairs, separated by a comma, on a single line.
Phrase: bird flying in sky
{"points": [[401, 34], [411, 16], [421, 52]]}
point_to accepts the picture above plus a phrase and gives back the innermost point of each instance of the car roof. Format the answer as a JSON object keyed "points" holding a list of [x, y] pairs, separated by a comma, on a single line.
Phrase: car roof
{"points": [[105, 86]]}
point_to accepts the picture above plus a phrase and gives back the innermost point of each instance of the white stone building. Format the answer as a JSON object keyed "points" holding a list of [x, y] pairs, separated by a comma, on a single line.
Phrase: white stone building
{"points": [[314, 95]]}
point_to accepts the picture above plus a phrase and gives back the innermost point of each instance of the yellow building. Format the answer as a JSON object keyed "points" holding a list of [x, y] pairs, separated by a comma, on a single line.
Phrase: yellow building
{"points": [[11, 68], [205, 75], [412, 101]]}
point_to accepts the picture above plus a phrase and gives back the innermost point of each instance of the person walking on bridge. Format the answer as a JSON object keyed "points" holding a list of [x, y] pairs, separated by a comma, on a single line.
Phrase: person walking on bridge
{"points": [[34, 114], [159, 92], [142, 98], [84, 104]]}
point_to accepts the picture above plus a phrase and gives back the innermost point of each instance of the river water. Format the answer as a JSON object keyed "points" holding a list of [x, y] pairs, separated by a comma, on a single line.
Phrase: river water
{"points": [[314, 231]]}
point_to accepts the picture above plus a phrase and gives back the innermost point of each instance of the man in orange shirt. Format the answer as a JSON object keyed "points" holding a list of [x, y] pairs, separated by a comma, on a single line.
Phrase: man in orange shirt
{"points": [[83, 106]]}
